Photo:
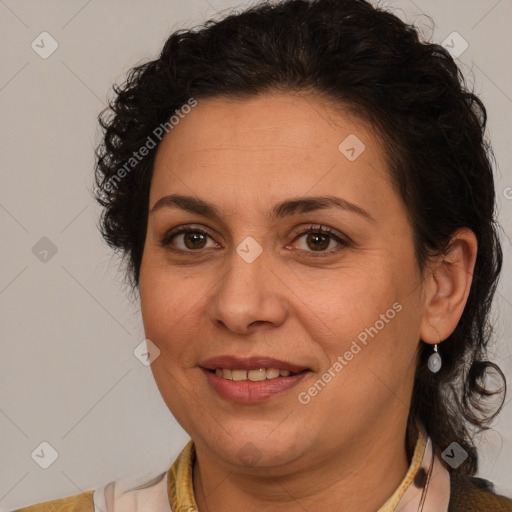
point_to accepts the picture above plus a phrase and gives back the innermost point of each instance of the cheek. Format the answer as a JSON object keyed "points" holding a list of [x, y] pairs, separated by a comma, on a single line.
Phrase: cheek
{"points": [[347, 301], [164, 300], [366, 315], [173, 307]]}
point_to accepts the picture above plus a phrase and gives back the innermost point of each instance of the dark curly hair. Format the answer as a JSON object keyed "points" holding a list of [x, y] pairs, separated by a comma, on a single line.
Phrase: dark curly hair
{"points": [[415, 96]]}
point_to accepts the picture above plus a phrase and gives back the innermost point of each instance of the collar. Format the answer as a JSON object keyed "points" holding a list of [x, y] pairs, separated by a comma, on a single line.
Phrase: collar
{"points": [[409, 494], [406, 498]]}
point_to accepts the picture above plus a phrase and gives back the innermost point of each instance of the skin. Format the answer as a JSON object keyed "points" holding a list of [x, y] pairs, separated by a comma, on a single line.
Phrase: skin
{"points": [[345, 449]]}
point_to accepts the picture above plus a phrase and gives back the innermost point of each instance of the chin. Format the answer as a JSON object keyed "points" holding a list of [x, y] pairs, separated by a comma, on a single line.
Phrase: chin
{"points": [[254, 446]]}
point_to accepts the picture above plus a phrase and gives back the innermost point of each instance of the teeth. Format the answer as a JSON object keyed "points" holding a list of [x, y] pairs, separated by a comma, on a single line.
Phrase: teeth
{"points": [[253, 375], [239, 374], [226, 373], [272, 373], [256, 375]]}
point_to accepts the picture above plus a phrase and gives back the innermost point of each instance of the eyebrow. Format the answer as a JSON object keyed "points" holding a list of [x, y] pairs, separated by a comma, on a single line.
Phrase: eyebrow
{"points": [[279, 210]]}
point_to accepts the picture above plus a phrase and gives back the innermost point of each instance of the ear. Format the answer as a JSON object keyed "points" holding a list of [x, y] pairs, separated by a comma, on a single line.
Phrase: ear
{"points": [[447, 287]]}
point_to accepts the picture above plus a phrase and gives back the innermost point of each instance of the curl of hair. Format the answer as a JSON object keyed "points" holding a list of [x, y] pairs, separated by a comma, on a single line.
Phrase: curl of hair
{"points": [[363, 58]]}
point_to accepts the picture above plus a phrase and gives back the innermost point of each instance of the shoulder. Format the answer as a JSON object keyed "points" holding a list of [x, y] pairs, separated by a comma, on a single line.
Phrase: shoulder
{"points": [[472, 494], [119, 495], [82, 502]]}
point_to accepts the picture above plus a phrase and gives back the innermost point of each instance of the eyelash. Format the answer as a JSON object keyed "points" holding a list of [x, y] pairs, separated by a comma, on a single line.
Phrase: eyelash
{"points": [[316, 229]]}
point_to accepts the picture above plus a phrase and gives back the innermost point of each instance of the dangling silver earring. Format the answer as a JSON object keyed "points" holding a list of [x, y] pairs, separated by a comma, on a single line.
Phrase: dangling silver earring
{"points": [[434, 361]]}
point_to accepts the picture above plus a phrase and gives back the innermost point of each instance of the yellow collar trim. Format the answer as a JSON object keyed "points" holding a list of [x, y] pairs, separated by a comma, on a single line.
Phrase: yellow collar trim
{"points": [[417, 457]]}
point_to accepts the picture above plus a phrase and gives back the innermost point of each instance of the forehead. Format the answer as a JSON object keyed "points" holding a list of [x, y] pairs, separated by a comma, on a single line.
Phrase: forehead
{"points": [[273, 142], [301, 122]]}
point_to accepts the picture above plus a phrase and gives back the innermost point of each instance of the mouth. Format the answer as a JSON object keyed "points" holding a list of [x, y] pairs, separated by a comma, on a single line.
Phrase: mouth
{"points": [[253, 379]]}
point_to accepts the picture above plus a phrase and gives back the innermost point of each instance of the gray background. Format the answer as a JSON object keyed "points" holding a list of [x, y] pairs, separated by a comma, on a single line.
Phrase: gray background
{"points": [[69, 327]]}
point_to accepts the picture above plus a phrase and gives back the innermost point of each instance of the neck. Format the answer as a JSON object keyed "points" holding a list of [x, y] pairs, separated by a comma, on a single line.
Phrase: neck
{"points": [[361, 478]]}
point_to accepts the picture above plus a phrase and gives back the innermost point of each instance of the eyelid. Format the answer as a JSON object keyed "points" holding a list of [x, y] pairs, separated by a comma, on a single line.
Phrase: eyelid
{"points": [[320, 228]]}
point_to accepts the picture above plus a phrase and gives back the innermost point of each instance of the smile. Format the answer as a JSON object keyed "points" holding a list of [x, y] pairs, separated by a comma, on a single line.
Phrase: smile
{"points": [[251, 386]]}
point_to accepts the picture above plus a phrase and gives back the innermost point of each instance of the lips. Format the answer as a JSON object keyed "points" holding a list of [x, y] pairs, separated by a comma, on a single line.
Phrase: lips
{"points": [[239, 379]]}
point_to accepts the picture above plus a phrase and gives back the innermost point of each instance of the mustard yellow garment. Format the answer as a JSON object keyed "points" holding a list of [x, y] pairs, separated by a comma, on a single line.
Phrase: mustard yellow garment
{"points": [[82, 502]]}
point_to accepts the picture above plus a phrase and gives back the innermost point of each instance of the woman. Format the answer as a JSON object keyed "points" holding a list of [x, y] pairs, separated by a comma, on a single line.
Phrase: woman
{"points": [[306, 203]]}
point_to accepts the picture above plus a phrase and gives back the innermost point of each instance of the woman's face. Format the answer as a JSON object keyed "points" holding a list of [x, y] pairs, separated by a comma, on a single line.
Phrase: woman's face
{"points": [[256, 286]]}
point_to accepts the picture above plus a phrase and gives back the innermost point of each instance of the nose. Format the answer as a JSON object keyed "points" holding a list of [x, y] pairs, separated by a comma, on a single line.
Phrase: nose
{"points": [[249, 294]]}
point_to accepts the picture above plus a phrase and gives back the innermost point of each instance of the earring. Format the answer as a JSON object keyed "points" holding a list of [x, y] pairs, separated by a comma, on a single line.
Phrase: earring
{"points": [[434, 361]]}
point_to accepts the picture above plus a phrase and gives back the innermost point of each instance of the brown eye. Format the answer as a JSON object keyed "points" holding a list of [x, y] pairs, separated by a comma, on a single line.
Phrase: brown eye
{"points": [[318, 239], [193, 240], [186, 240]]}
